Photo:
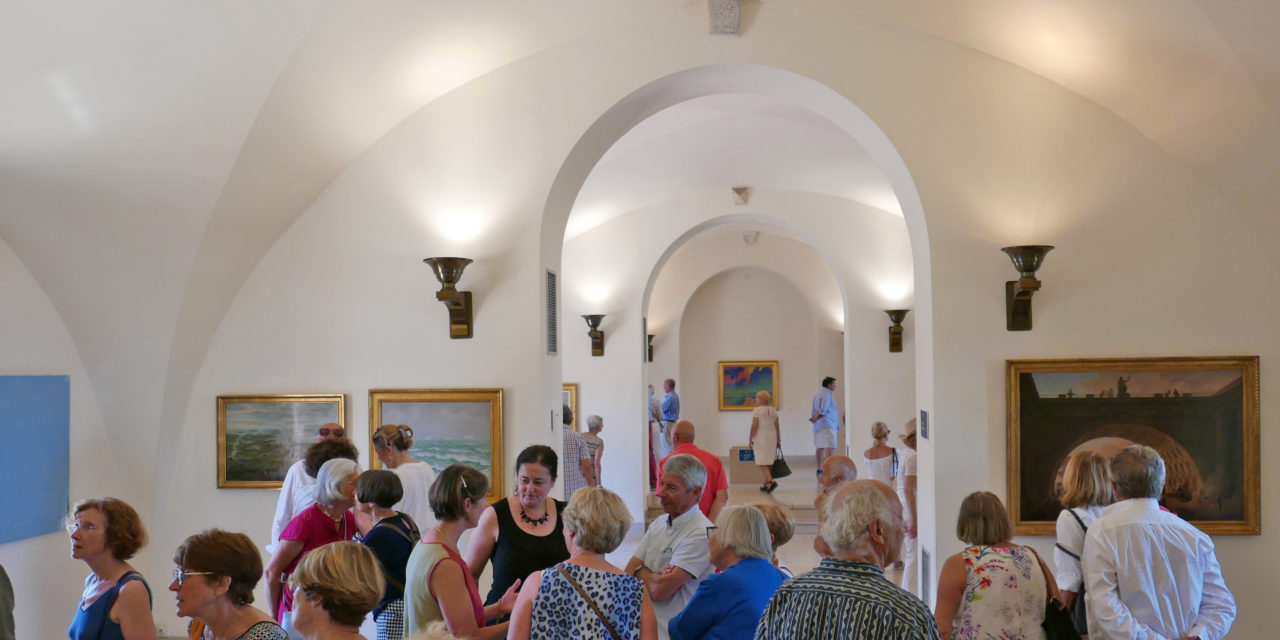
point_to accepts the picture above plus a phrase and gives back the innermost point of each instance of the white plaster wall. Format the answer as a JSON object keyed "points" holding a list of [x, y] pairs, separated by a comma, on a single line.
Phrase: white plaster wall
{"points": [[34, 341], [747, 314]]}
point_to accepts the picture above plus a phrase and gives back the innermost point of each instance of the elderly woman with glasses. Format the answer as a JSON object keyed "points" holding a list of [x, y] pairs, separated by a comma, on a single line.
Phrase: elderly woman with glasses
{"points": [[116, 603], [328, 520], [213, 585], [334, 588], [554, 602], [728, 605]]}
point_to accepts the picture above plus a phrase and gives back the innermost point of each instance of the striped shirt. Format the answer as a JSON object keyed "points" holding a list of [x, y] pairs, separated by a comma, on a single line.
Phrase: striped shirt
{"points": [[575, 451], [843, 599]]}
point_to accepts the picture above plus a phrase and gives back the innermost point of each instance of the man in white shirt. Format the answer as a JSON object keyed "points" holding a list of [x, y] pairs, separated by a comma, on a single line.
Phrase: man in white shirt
{"points": [[1149, 574], [673, 557], [297, 492]]}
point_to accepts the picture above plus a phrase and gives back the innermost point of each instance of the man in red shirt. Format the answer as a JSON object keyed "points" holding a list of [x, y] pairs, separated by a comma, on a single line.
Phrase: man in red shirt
{"points": [[716, 493]]}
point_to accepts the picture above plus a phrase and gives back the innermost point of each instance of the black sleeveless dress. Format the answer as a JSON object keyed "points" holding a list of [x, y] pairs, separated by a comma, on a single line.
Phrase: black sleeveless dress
{"points": [[517, 554]]}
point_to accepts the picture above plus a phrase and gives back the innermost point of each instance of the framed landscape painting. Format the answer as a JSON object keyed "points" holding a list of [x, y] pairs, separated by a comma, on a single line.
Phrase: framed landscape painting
{"points": [[449, 425], [261, 436], [1200, 414], [740, 381]]}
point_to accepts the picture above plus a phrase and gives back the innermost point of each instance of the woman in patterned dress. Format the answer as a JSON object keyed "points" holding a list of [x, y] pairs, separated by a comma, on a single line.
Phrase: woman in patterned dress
{"points": [[551, 604], [213, 585], [993, 588]]}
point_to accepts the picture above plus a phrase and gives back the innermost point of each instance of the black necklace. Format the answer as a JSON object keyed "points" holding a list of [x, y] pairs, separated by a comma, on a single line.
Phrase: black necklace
{"points": [[537, 523]]}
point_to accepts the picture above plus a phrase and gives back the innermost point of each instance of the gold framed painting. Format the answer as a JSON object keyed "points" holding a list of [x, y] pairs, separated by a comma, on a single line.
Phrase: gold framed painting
{"points": [[261, 436], [449, 425], [1201, 414], [569, 398], [740, 381]]}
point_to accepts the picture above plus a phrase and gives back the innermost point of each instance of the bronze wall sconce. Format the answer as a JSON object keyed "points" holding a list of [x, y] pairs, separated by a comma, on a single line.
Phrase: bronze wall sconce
{"points": [[597, 336], [448, 271], [895, 331], [1017, 293], [651, 337]]}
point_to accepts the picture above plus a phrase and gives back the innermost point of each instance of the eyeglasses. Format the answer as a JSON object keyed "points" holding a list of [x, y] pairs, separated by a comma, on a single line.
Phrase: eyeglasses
{"points": [[87, 527], [711, 530], [337, 433], [180, 574]]}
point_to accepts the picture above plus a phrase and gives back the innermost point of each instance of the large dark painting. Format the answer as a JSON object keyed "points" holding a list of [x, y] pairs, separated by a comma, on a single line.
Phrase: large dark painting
{"points": [[1201, 414]]}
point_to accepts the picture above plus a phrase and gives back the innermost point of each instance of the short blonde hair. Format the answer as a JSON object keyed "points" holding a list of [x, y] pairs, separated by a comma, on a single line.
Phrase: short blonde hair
{"points": [[983, 520], [763, 397], [782, 523], [743, 530], [598, 519], [346, 577], [1086, 481]]}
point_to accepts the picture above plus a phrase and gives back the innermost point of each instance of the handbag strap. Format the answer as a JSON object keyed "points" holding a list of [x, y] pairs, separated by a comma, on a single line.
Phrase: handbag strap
{"points": [[778, 453], [582, 592], [1048, 592]]}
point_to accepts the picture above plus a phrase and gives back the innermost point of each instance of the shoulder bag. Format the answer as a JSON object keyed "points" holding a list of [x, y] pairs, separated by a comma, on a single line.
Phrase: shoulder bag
{"points": [[779, 468], [583, 592], [1078, 611], [1057, 623]]}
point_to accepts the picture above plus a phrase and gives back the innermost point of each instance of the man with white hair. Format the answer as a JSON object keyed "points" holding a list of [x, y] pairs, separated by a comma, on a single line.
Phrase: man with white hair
{"points": [[673, 556], [847, 595], [1147, 572]]}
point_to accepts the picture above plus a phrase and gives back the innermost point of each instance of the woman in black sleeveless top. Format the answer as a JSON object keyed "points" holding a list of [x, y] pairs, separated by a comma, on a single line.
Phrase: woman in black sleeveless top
{"points": [[521, 533]]}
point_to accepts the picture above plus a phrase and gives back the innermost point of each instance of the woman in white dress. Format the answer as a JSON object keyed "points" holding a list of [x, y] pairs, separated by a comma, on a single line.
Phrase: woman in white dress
{"points": [[392, 442], [881, 460], [765, 435]]}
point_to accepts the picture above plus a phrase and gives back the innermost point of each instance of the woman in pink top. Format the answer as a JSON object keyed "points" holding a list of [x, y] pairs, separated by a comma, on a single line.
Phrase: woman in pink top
{"points": [[328, 520]]}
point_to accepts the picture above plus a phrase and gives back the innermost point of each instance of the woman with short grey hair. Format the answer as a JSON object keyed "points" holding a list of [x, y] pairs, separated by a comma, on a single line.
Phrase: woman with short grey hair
{"points": [[595, 444], [729, 604], [328, 520], [556, 602]]}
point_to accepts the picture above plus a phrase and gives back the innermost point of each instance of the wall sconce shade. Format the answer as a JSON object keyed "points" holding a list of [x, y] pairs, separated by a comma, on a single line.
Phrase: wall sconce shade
{"points": [[1017, 293], [448, 271], [895, 331], [651, 337], [597, 336]]}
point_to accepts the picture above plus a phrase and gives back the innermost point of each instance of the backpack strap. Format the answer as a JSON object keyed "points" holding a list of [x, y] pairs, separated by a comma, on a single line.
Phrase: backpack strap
{"points": [[1084, 530]]}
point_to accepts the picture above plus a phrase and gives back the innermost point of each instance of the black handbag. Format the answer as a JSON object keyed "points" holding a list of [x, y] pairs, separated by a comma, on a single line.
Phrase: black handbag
{"points": [[1057, 623], [1079, 613], [779, 468]]}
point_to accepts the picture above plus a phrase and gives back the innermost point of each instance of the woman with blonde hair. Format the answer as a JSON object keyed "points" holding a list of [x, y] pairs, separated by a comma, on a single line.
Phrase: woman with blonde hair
{"points": [[1086, 489], [782, 528], [729, 604], [334, 587], [392, 443], [881, 460], [586, 596], [765, 436], [105, 533], [993, 588]]}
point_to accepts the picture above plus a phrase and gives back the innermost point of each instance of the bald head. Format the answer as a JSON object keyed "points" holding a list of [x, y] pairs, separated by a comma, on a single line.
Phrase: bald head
{"points": [[838, 469], [684, 432]]}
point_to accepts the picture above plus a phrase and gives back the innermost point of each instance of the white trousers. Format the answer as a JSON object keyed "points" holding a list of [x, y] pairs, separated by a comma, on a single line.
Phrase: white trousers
{"points": [[910, 566]]}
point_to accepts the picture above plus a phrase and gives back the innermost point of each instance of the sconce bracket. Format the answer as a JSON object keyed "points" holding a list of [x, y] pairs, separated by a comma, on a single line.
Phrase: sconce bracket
{"points": [[597, 342], [1017, 303], [459, 305]]}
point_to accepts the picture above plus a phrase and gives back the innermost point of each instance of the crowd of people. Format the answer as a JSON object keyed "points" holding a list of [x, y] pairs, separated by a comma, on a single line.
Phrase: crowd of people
{"points": [[360, 543]]}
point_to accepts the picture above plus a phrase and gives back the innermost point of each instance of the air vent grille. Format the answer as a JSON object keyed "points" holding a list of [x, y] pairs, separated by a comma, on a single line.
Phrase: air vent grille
{"points": [[553, 314]]}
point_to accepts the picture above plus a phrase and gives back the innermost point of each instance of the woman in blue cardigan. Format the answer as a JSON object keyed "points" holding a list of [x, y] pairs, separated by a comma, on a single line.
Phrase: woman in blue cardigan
{"points": [[728, 605]]}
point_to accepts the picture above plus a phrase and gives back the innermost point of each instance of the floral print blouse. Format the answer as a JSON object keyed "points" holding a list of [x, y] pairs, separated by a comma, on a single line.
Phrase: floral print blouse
{"points": [[1004, 595]]}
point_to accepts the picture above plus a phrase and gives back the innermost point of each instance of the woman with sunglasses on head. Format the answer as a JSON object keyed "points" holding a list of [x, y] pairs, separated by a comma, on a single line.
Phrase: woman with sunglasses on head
{"points": [[438, 584], [328, 520], [116, 603], [392, 443], [213, 585]]}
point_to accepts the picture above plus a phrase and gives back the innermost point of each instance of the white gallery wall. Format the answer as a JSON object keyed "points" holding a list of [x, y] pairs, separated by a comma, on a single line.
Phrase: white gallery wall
{"points": [[1152, 260]]}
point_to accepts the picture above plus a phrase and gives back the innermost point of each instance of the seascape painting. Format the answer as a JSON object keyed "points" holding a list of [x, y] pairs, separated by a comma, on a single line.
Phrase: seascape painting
{"points": [[449, 426], [740, 381], [1200, 414], [259, 437]]}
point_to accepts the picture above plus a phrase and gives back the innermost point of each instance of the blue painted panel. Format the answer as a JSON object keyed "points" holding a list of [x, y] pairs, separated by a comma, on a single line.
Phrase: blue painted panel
{"points": [[35, 454]]}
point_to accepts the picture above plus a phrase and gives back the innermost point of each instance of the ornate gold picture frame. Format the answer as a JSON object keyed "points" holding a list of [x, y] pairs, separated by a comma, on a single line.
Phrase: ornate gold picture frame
{"points": [[569, 398], [449, 425], [1201, 414], [739, 381], [261, 436]]}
